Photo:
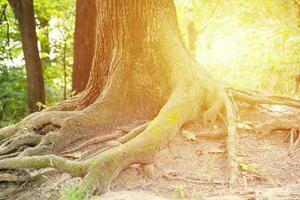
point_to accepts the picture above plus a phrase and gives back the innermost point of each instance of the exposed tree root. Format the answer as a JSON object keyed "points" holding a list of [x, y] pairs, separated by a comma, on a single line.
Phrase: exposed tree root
{"points": [[291, 126], [52, 131], [193, 180], [253, 98], [9, 155], [133, 133], [138, 146], [116, 138], [231, 139], [40, 162], [28, 139], [271, 126], [14, 175], [7, 188], [95, 140], [295, 146], [101, 169], [212, 134]]}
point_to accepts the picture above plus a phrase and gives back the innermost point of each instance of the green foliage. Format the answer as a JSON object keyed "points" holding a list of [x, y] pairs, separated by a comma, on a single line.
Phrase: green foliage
{"points": [[54, 83], [75, 193], [10, 45], [251, 45], [55, 29], [180, 192], [13, 97]]}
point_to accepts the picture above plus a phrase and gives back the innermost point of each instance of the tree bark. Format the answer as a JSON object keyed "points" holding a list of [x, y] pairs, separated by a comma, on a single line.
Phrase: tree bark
{"points": [[23, 10], [84, 44]]}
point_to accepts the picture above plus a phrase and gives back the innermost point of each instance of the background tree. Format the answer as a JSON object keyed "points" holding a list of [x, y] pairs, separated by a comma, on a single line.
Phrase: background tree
{"points": [[24, 13], [84, 46], [59, 31]]}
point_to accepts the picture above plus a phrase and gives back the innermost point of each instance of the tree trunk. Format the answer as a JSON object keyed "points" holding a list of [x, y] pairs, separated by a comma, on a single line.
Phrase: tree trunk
{"points": [[84, 44], [23, 10], [145, 73]]}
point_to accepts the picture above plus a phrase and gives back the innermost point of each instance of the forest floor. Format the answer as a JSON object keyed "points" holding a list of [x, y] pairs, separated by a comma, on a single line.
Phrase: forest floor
{"points": [[196, 168]]}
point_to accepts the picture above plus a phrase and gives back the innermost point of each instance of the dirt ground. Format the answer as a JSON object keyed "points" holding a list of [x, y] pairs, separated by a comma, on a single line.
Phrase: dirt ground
{"points": [[196, 169]]}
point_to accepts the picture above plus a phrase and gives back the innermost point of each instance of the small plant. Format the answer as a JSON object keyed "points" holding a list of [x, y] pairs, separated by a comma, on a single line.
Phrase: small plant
{"points": [[75, 193], [250, 168], [180, 192], [41, 106]]}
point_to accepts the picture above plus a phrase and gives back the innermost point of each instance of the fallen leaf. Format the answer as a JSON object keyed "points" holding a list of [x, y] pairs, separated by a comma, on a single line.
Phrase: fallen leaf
{"points": [[250, 168], [199, 152], [245, 166]]}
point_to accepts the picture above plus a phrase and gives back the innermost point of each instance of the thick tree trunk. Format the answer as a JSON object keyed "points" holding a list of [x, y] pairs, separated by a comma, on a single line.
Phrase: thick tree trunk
{"points": [[84, 44], [23, 10], [144, 72]]}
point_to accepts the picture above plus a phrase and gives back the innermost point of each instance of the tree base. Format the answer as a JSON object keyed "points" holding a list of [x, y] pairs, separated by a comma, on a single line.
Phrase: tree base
{"points": [[174, 166], [45, 132]]}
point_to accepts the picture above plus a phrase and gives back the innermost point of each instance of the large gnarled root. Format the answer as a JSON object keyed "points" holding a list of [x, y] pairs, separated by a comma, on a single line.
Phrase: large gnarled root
{"points": [[291, 126], [231, 138], [271, 126], [55, 130], [141, 144], [28, 139], [102, 168], [31, 131], [40, 162], [182, 106]]}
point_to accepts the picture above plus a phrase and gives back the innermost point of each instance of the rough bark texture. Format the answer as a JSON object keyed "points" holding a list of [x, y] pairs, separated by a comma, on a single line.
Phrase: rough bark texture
{"points": [[193, 35], [149, 76], [84, 44], [23, 10]]}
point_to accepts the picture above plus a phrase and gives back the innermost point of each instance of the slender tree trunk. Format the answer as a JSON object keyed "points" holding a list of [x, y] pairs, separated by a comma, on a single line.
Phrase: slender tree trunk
{"points": [[84, 45], [23, 10]]}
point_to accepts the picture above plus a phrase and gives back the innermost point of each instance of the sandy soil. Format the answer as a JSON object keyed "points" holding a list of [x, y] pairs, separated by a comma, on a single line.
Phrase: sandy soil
{"points": [[197, 169]]}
